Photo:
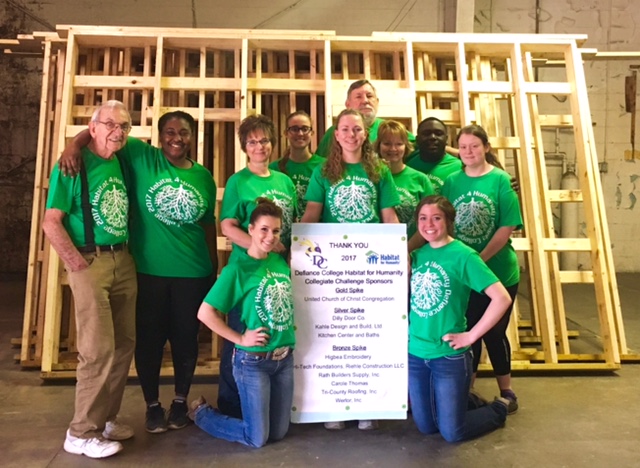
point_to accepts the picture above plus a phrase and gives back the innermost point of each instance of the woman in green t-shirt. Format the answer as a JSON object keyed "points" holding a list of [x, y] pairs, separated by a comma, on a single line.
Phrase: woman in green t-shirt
{"points": [[393, 146], [173, 241], [257, 135], [488, 212], [443, 273], [258, 284], [353, 185], [298, 162]]}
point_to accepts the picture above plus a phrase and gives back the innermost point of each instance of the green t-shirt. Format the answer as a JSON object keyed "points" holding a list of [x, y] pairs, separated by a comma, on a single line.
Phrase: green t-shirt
{"points": [[261, 289], [244, 187], [484, 204], [325, 144], [354, 198], [437, 172], [412, 187], [107, 194], [300, 174], [168, 206], [441, 281]]}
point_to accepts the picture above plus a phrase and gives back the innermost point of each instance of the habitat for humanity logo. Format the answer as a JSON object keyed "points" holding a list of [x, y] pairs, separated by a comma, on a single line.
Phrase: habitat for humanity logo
{"points": [[373, 258], [314, 252]]}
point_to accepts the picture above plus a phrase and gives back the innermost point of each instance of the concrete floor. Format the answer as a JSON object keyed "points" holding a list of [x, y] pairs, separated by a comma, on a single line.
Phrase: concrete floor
{"points": [[564, 420]]}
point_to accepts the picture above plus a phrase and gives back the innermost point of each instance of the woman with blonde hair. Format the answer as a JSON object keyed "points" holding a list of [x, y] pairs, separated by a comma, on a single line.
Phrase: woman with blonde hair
{"points": [[393, 146]]}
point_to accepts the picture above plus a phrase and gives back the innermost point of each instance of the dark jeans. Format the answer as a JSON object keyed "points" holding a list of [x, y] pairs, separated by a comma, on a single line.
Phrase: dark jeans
{"points": [[498, 347], [228, 395], [167, 309]]}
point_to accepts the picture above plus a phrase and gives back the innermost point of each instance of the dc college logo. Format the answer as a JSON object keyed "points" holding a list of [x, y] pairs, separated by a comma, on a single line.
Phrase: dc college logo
{"points": [[314, 252]]}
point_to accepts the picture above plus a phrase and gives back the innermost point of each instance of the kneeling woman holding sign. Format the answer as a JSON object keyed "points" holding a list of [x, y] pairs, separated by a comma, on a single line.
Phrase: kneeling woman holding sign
{"points": [[259, 285], [443, 272]]}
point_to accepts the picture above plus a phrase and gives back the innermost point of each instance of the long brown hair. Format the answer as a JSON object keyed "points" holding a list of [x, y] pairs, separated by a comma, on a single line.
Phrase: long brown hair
{"points": [[334, 168], [481, 133]]}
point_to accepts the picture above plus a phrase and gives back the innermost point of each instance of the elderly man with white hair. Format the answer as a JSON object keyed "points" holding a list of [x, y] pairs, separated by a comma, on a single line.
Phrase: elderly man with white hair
{"points": [[86, 222]]}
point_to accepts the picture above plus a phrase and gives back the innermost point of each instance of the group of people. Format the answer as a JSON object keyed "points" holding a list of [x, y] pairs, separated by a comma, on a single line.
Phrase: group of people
{"points": [[136, 214]]}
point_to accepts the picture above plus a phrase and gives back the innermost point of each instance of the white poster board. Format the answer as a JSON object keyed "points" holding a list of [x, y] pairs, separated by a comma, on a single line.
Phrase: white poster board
{"points": [[350, 300]]}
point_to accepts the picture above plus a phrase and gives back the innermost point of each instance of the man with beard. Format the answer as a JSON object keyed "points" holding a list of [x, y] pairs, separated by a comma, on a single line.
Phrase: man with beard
{"points": [[362, 97]]}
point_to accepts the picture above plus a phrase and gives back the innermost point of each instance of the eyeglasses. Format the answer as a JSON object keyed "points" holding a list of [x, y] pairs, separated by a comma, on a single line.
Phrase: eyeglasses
{"points": [[295, 129], [111, 126], [254, 143]]}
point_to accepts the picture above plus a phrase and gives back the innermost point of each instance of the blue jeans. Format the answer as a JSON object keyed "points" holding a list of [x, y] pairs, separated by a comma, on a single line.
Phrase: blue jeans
{"points": [[266, 396], [439, 390]]}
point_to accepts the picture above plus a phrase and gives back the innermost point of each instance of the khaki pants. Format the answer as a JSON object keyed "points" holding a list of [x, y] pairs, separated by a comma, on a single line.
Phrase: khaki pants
{"points": [[105, 300]]}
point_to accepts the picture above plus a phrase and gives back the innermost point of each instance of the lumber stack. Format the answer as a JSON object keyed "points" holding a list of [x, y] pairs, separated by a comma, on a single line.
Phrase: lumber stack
{"points": [[508, 83]]}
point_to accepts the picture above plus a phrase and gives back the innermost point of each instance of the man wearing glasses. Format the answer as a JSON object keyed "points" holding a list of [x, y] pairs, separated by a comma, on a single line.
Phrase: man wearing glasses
{"points": [[362, 97], [86, 222]]}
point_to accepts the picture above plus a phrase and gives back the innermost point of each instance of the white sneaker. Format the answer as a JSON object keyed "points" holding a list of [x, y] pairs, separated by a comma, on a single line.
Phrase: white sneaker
{"points": [[334, 425], [115, 430], [367, 425], [94, 447]]}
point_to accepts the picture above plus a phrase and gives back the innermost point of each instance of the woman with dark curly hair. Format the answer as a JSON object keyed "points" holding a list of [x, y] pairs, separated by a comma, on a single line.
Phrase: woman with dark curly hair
{"points": [[353, 185]]}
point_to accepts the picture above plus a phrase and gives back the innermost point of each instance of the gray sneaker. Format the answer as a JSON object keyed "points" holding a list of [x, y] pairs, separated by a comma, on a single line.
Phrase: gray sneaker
{"points": [[334, 425], [367, 425], [115, 430], [94, 447], [513, 401]]}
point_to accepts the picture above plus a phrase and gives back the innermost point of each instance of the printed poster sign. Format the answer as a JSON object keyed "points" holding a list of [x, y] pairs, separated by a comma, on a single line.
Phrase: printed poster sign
{"points": [[350, 300]]}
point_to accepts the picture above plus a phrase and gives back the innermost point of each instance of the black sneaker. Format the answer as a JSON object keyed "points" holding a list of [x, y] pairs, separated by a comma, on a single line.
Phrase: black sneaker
{"points": [[154, 419], [178, 415], [475, 400]]}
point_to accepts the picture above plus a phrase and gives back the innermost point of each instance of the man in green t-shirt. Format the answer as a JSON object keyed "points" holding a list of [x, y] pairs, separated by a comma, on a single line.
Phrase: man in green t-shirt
{"points": [[362, 97], [431, 157], [92, 243]]}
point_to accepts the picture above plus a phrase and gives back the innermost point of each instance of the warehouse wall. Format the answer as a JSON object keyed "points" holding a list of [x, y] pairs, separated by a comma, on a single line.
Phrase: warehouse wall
{"points": [[19, 107], [610, 25]]}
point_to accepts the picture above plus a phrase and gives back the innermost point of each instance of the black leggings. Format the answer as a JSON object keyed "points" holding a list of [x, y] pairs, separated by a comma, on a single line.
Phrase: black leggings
{"points": [[495, 340], [167, 309], [228, 396]]}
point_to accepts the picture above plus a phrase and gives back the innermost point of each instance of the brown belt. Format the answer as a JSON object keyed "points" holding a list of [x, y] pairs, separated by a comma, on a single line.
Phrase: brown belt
{"points": [[277, 354], [103, 248]]}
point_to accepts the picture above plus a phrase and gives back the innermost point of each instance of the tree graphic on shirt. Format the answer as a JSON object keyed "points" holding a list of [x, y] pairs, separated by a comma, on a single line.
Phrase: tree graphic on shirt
{"points": [[301, 191], [287, 215], [352, 201], [405, 210], [114, 207], [278, 301], [427, 289], [177, 204], [473, 218]]}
